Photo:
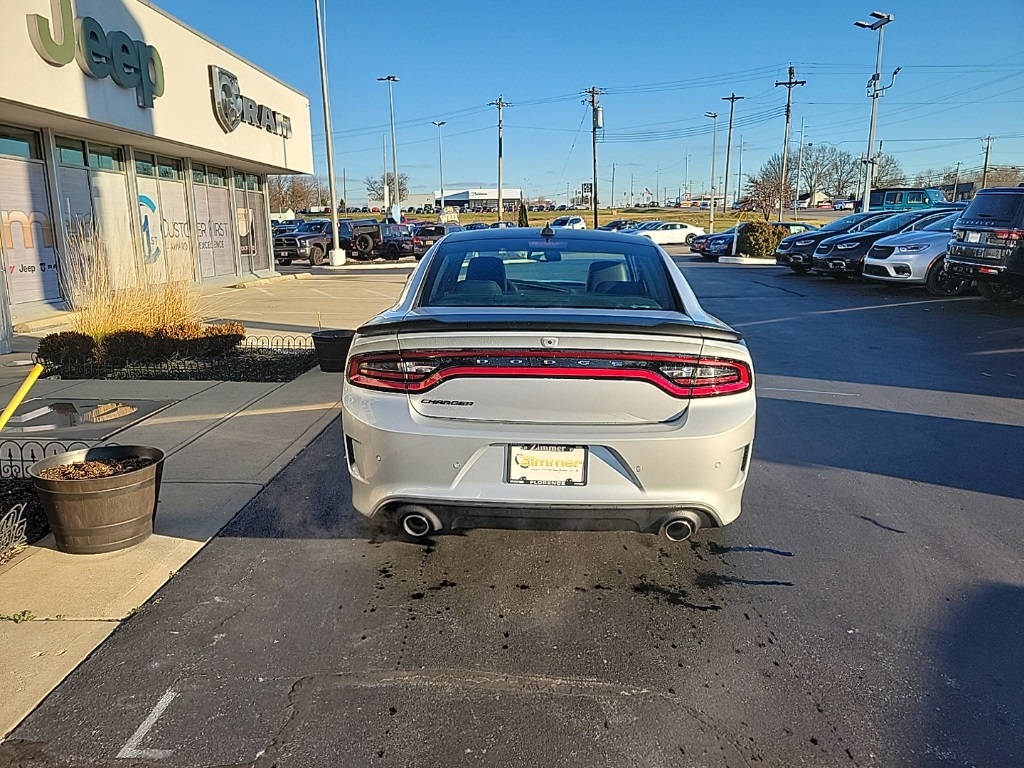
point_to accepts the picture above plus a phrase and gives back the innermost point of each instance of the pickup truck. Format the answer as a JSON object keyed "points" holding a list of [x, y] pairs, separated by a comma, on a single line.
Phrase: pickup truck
{"points": [[311, 241]]}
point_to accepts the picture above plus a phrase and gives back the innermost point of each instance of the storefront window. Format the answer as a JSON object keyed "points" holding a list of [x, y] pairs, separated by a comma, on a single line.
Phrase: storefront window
{"points": [[105, 158], [216, 177], [168, 168], [252, 182], [70, 151], [17, 142], [145, 165], [198, 173], [239, 180]]}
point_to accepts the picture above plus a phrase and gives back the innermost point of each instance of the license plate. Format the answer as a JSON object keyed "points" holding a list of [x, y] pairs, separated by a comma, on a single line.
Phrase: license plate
{"points": [[973, 237], [547, 464], [429, 242]]}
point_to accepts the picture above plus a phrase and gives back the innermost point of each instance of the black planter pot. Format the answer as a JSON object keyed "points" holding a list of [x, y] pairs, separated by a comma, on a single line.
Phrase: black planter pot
{"points": [[332, 349], [102, 514]]}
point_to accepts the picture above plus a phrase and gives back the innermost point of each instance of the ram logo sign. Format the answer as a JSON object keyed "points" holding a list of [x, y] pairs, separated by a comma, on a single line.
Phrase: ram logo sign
{"points": [[232, 108]]}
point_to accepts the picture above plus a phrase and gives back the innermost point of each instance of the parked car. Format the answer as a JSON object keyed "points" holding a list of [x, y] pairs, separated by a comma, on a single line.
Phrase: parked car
{"points": [[843, 255], [700, 242], [902, 199], [797, 251], [720, 245], [476, 225], [569, 222], [312, 240], [476, 400], [428, 234], [988, 243], [917, 258], [842, 205], [618, 224], [503, 224], [670, 232], [398, 240]]}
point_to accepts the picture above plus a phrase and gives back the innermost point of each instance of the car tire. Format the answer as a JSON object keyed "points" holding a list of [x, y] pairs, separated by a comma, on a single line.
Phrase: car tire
{"points": [[800, 269], [391, 253], [690, 238], [316, 256], [1001, 292], [364, 244], [283, 262], [941, 283]]}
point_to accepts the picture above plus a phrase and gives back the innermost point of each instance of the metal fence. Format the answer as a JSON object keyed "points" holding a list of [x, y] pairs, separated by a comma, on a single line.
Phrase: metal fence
{"points": [[13, 532], [16, 456]]}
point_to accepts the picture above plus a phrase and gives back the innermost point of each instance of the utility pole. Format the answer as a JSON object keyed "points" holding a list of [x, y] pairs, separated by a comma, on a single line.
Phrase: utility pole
{"points": [[331, 180], [500, 104], [714, 152], [988, 150], [800, 162], [391, 80], [728, 149], [598, 114], [631, 190], [686, 177], [657, 182], [956, 180], [881, 19], [739, 173], [567, 195], [612, 195], [790, 84]]}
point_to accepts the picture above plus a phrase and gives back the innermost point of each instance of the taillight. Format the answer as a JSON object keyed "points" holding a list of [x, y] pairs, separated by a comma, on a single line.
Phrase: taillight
{"points": [[415, 241], [1007, 235], [679, 376]]}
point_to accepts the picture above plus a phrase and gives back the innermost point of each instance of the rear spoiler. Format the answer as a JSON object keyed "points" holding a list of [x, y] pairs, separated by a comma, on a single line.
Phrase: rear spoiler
{"points": [[545, 323]]}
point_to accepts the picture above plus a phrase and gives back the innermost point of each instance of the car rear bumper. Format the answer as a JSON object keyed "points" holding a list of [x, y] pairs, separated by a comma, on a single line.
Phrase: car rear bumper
{"points": [[637, 475], [987, 272]]}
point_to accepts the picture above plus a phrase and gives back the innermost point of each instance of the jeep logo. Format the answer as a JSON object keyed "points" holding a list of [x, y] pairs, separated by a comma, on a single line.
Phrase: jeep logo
{"points": [[129, 63]]}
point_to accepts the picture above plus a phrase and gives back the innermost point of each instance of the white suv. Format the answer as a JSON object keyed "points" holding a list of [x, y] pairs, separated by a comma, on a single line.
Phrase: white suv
{"points": [[569, 222]]}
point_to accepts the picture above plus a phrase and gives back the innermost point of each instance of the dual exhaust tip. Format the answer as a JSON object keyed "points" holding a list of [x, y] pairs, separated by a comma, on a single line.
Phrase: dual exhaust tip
{"points": [[418, 521]]}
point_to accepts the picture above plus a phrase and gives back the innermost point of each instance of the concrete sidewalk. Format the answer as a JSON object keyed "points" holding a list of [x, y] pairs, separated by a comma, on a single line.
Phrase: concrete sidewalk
{"points": [[224, 441]]}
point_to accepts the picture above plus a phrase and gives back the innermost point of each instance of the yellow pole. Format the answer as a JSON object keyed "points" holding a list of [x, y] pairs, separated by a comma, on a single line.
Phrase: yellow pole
{"points": [[26, 385]]}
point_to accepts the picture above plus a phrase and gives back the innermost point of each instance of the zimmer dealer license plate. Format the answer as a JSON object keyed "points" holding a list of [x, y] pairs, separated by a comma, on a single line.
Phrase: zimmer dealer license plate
{"points": [[547, 464]]}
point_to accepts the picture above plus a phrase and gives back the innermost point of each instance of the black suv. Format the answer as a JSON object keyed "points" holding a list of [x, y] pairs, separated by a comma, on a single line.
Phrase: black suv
{"points": [[797, 251], [988, 243], [428, 234], [841, 256]]}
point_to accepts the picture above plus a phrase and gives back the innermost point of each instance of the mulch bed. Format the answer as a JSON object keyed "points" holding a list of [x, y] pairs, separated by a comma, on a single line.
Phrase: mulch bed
{"points": [[255, 364], [90, 470], [15, 490]]}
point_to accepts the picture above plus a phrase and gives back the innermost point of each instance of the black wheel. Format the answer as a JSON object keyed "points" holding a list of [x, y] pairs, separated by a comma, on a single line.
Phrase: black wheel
{"points": [[364, 244], [391, 253], [942, 283], [284, 262], [1000, 291], [800, 269], [316, 256], [690, 238]]}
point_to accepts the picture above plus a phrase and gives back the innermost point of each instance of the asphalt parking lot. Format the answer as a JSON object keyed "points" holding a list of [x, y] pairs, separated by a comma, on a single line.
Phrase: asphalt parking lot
{"points": [[865, 610]]}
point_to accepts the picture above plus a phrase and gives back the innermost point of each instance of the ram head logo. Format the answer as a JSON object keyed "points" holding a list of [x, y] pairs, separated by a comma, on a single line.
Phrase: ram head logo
{"points": [[227, 98]]}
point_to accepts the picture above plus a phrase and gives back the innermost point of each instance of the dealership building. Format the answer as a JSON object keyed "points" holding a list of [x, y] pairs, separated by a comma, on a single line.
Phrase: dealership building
{"points": [[120, 123], [486, 198]]}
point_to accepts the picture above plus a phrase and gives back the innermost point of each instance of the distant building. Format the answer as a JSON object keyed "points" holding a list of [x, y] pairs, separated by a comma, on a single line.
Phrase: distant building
{"points": [[473, 198]]}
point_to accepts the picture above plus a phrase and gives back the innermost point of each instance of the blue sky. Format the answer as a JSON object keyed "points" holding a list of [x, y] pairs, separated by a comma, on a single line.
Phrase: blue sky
{"points": [[663, 64]]}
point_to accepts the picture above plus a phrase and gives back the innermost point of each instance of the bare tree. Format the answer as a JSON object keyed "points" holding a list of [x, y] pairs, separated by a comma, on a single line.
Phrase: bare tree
{"points": [[375, 187], [766, 187], [841, 173], [888, 172], [295, 192], [815, 163], [1003, 177]]}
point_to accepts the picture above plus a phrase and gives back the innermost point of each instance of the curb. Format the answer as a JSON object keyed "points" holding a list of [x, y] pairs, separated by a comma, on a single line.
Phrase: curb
{"points": [[747, 261], [265, 280], [44, 323]]}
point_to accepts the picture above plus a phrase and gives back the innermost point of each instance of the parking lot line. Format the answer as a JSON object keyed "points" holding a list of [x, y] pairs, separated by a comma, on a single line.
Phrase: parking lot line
{"points": [[131, 749]]}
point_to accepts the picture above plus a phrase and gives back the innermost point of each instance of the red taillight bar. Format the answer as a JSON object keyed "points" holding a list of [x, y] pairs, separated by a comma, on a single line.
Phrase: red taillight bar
{"points": [[412, 372]]}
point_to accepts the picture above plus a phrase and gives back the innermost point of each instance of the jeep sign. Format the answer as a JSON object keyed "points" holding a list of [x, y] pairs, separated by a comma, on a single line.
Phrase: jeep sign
{"points": [[129, 63], [232, 109]]}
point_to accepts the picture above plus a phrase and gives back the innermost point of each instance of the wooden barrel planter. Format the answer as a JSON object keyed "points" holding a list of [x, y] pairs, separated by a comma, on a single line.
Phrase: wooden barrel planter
{"points": [[100, 514], [332, 349]]}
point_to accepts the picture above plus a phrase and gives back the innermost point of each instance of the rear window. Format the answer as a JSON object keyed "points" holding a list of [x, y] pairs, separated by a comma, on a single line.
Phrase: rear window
{"points": [[945, 224], [561, 221], [430, 231], [538, 273], [999, 208]]}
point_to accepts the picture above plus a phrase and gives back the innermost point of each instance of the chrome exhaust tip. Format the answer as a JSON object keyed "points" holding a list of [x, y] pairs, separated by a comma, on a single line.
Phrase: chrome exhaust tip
{"points": [[418, 521], [681, 527]]}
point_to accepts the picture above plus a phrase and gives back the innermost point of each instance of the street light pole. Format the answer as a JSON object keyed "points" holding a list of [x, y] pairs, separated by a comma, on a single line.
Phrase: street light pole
{"points": [[440, 160], [881, 19], [391, 79], [331, 181], [714, 152]]}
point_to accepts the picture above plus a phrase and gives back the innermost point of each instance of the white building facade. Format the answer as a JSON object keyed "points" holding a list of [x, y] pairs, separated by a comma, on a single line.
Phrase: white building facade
{"points": [[118, 119], [482, 198]]}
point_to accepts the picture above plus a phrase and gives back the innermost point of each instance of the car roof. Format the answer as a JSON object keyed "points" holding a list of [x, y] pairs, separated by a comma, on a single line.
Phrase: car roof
{"points": [[518, 233]]}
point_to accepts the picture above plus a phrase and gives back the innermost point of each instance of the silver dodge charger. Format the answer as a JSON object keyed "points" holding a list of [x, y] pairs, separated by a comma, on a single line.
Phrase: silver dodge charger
{"points": [[548, 378]]}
